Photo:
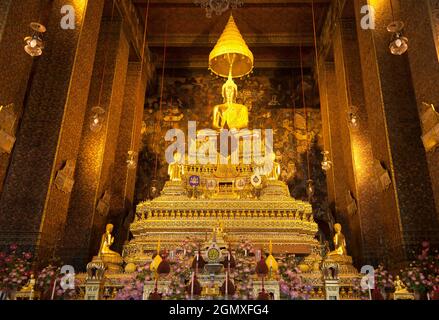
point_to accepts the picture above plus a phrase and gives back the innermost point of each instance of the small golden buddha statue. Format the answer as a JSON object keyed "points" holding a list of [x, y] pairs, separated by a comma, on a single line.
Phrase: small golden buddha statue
{"points": [[275, 170], [29, 285], [105, 253], [400, 287], [339, 242], [176, 169], [230, 114]]}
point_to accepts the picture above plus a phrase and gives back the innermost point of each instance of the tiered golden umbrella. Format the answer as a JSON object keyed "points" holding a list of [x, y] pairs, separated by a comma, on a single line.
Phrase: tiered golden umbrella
{"points": [[231, 55]]}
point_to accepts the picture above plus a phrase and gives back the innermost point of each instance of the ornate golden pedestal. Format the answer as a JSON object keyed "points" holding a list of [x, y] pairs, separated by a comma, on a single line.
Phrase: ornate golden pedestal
{"points": [[174, 216]]}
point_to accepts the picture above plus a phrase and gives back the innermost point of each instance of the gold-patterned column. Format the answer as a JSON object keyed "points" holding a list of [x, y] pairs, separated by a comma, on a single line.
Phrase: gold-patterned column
{"points": [[32, 207], [91, 194], [407, 207], [124, 178], [423, 34], [15, 17], [361, 197], [337, 176], [325, 100]]}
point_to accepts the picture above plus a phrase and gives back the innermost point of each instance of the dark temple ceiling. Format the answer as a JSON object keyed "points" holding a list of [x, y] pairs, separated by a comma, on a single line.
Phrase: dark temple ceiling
{"points": [[273, 29]]}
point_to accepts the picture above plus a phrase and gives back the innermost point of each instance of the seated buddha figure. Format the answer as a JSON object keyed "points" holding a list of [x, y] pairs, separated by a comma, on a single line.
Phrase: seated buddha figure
{"points": [[176, 169], [400, 286], [105, 253], [230, 115], [339, 242], [274, 173]]}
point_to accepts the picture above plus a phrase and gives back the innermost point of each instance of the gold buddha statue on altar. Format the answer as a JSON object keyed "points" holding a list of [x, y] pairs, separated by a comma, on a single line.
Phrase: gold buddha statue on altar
{"points": [[230, 115], [111, 258], [230, 58], [176, 169], [339, 242]]}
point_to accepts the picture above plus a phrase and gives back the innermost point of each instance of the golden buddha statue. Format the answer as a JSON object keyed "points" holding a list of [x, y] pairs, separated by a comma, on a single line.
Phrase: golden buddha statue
{"points": [[400, 287], [339, 242], [175, 169], [230, 114], [231, 58], [275, 172], [29, 285], [105, 253]]}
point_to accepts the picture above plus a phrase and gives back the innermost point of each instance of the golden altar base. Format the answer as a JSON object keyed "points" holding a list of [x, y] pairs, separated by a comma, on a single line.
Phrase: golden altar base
{"points": [[175, 216]]}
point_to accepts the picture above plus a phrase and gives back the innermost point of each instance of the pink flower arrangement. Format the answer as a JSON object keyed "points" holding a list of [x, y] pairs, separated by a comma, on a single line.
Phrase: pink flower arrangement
{"points": [[15, 269], [422, 275], [291, 284]]}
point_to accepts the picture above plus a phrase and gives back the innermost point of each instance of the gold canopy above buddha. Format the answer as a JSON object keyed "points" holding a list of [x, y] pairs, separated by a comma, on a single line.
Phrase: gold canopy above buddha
{"points": [[231, 55]]}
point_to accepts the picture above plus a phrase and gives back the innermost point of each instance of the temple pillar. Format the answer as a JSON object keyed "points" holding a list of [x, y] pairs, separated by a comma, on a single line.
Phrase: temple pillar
{"points": [[361, 199], [91, 194], [423, 35], [32, 208], [124, 178], [337, 176], [15, 17], [408, 212]]}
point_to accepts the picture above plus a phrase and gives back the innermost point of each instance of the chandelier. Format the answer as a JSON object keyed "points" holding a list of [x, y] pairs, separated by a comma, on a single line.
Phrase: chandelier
{"points": [[218, 6]]}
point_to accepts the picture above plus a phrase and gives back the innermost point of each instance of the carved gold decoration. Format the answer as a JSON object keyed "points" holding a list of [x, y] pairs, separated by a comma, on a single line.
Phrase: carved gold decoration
{"points": [[8, 120], [383, 177], [352, 206], [64, 179], [430, 127], [103, 206]]}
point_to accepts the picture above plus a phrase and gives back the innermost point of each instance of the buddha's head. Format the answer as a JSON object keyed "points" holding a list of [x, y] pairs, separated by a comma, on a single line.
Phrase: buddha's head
{"points": [[337, 227], [230, 90], [109, 228], [177, 157]]}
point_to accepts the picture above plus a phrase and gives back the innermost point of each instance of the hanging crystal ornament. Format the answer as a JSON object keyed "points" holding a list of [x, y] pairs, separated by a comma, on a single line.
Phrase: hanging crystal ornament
{"points": [[97, 119], [34, 44], [218, 6], [353, 119], [326, 163], [132, 160], [398, 43]]}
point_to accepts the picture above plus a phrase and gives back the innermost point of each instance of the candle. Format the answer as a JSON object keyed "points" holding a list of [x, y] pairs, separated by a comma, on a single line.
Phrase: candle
{"points": [[192, 285], [53, 290], [227, 283]]}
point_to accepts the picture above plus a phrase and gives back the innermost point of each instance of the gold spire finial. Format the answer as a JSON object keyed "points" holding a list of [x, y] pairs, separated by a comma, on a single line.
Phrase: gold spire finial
{"points": [[231, 55]]}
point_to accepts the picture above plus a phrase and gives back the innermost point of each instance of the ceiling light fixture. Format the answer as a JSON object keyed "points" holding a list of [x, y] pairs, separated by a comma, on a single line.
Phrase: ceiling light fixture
{"points": [[218, 6], [34, 44]]}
